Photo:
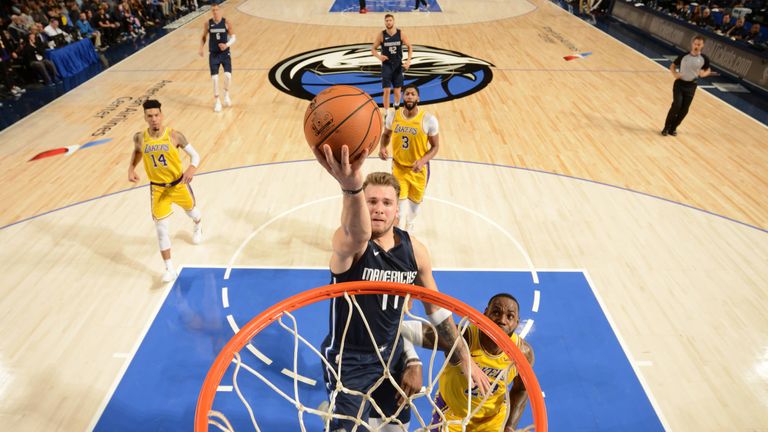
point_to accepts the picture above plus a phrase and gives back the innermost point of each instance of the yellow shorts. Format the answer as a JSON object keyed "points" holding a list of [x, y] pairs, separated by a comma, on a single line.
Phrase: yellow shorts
{"points": [[491, 423], [163, 197], [412, 185]]}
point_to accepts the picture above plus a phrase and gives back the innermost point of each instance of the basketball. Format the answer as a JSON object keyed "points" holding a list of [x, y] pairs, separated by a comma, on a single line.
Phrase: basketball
{"points": [[343, 115]]}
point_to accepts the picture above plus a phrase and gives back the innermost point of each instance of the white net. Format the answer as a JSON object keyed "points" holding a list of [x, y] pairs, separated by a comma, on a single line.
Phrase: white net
{"points": [[315, 407]]}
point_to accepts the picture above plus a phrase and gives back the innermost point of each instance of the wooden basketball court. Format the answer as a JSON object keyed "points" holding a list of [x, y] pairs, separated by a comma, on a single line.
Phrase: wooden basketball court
{"points": [[565, 157]]}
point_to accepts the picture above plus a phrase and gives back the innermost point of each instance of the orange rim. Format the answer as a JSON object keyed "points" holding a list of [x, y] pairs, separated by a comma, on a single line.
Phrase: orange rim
{"points": [[247, 332]]}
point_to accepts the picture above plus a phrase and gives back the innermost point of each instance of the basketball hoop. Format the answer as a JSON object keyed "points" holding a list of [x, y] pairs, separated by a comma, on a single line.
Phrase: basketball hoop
{"points": [[205, 416]]}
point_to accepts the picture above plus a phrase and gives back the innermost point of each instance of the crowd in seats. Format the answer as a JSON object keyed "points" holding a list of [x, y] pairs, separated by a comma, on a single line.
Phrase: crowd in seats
{"points": [[30, 27], [743, 21]]}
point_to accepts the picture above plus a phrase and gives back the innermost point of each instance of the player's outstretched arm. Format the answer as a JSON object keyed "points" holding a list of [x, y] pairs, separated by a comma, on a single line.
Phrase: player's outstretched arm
{"points": [[518, 397], [351, 238]]}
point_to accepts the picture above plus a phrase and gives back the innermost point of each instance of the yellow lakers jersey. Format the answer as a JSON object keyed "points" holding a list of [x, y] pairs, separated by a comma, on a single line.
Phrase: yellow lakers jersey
{"points": [[161, 158], [453, 383], [409, 140]]}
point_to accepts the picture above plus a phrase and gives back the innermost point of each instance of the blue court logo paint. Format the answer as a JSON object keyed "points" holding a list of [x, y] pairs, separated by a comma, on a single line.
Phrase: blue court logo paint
{"points": [[440, 74]]}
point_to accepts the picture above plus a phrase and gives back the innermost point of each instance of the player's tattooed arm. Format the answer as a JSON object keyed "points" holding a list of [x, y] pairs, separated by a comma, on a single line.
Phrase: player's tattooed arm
{"points": [[180, 139], [446, 329]]}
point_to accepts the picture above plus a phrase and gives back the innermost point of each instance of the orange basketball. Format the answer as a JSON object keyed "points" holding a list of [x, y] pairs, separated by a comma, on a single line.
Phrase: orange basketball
{"points": [[343, 115]]}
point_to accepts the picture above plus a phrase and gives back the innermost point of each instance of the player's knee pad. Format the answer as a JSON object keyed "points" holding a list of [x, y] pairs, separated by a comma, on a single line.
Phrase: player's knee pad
{"points": [[195, 213], [227, 78], [163, 236], [215, 79]]}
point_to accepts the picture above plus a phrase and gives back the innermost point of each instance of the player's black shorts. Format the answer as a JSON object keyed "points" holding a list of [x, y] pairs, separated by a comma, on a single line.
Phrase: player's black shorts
{"points": [[391, 75], [360, 371], [220, 59]]}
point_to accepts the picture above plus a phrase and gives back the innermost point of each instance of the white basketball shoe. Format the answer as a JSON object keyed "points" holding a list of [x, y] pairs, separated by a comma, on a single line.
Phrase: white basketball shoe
{"points": [[197, 233], [169, 275]]}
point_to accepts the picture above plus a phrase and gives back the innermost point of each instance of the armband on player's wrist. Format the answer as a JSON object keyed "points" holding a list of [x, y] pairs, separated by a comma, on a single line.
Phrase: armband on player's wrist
{"points": [[352, 191], [231, 41], [409, 351], [439, 316]]}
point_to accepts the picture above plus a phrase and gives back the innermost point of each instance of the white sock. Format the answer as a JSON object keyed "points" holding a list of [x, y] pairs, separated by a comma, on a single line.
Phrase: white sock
{"points": [[413, 208], [403, 210], [168, 264], [215, 85], [227, 81]]}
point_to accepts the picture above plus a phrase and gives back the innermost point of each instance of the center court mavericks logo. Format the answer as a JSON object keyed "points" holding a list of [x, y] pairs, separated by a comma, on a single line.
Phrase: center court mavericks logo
{"points": [[440, 74]]}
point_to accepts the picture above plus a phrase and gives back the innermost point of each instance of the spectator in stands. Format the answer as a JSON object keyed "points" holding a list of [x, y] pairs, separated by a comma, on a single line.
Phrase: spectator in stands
{"points": [[109, 29], [67, 23], [7, 76], [725, 24], [87, 31], [705, 19], [26, 19], [681, 10], [753, 36], [737, 31], [32, 54], [37, 13], [17, 29], [57, 35], [140, 11], [39, 35]]}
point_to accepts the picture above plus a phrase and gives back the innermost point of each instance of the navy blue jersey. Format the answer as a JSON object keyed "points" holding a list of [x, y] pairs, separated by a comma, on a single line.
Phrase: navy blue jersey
{"points": [[382, 312], [392, 47], [217, 33]]}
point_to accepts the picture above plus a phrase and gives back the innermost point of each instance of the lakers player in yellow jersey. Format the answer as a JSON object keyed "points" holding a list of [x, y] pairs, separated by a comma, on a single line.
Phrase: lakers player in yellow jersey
{"points": [[415, 141], [158, 147], [491, 412]]}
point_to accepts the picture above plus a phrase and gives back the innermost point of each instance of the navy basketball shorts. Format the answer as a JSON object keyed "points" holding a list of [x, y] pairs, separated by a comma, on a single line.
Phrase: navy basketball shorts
{"points": [[360, 371], [215, 60], [391, 76]]}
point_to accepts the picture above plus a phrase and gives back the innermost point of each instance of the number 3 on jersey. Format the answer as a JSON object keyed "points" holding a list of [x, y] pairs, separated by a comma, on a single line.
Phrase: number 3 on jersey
{"points": [[405, 143], [160, 159]]}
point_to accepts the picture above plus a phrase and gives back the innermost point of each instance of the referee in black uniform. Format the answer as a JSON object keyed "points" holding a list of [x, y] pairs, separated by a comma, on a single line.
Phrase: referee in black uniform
{"points": [[691, 66]]}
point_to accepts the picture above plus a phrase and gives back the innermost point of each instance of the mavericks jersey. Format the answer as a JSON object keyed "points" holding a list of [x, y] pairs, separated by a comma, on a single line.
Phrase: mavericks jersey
{"points": [[217, 33], [161, 158], [382, 311], [392, 47], [409, 137], [453, 383]]}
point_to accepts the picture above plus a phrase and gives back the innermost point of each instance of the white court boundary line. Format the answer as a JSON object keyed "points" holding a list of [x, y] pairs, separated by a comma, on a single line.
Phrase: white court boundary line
{"points": [[627, 353], [128, 358]]}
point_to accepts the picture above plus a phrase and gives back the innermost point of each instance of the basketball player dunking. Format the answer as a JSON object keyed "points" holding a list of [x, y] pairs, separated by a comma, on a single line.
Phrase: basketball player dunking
{"points": [[415, 141], [451, 399], [222, 37], [391, 41], [368, 247], [157, 146]]}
